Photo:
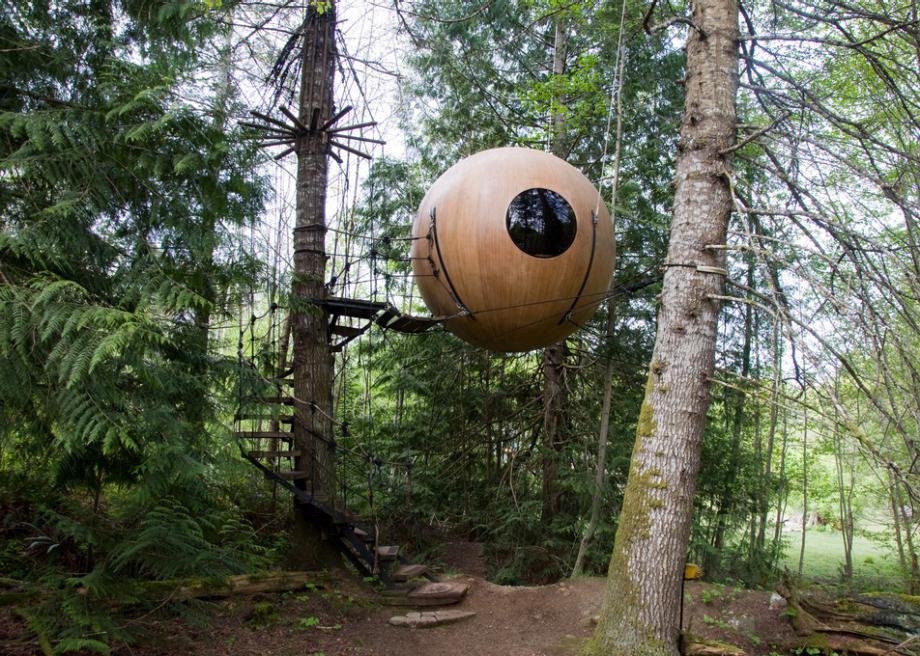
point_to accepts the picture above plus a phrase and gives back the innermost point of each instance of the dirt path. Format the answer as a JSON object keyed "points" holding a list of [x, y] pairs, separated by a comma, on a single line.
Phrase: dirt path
{"points": [[341, 616], [510, 621]]}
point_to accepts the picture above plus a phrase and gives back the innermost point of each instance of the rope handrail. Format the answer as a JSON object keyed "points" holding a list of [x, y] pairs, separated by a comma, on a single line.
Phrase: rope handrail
{"points": [[367, 455]]}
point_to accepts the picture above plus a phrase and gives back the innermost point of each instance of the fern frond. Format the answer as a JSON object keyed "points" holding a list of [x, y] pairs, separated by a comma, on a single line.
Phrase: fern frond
{"points": [[112, 345], [51, 288], [68, 645]]}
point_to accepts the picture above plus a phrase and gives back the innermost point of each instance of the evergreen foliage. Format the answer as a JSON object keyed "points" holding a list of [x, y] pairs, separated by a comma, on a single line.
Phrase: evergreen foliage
{"points": [[122, 190], [125, 189]]}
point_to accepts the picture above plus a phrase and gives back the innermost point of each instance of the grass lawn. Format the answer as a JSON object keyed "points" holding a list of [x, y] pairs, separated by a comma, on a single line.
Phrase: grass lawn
{"points": [[875, 566]]}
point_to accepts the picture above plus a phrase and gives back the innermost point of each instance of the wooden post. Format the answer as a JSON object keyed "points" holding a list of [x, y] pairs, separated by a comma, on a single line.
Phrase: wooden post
{"points": [[313, 363]]}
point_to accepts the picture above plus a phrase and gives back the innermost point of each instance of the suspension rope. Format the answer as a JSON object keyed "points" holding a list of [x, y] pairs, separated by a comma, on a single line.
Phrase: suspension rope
{"points": [[616, 98], [344, 426]]}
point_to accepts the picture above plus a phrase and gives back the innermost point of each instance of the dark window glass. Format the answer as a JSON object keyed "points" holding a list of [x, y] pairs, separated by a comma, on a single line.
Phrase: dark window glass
{"points": [[541, 223]]}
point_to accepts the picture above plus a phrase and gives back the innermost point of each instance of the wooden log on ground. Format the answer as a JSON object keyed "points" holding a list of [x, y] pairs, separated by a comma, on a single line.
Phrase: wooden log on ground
{"points": [[867, 625], [898, 611], [694, 645], [834, 643], [217, 587], [191, 588]]}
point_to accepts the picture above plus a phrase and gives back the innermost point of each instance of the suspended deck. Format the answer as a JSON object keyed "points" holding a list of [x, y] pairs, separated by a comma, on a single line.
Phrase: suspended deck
{"points": [[373, 312]]}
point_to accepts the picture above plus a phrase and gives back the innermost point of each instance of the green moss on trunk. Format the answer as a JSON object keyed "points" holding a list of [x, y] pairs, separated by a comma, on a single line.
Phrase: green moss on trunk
{"points": [[633, 526]]}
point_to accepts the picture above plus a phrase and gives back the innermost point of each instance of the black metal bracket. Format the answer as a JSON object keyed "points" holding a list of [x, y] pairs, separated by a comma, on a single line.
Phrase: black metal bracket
{"points": [[568, 313], [274, 132], [433, 232]]}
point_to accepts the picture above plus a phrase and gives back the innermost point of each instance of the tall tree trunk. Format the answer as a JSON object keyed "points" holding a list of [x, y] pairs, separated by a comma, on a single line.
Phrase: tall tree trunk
{"points": [[766, 484], [782, 497], [804, 483], [714, 561], [554, 392], [753, 555], [846, 521], [641, 607], [914, 586], [603, 433], [203, 278], [896, 517], [843, 501], [210, 216], [309, 323], [554, 371]]}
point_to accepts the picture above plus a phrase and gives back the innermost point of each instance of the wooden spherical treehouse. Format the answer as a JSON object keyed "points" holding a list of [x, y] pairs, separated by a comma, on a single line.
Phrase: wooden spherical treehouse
{"points": [[515, 247]]}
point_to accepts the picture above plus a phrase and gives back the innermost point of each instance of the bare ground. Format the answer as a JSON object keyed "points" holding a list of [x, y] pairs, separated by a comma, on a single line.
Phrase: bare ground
{"points": [[342, 616]]}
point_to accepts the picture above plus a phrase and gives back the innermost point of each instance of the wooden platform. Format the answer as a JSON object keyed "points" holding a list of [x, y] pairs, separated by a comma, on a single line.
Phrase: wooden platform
{"points": [[388, 552], [428, 594], [407, 572]]}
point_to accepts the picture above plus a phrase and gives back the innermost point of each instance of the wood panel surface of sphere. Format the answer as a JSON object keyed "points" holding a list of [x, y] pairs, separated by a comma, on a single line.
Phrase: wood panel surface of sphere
{"points": [[515, 246]]}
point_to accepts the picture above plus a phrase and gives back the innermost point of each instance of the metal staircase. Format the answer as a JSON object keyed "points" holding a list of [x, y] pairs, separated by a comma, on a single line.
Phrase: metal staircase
{"points": [[372, 312], [264, 429]]}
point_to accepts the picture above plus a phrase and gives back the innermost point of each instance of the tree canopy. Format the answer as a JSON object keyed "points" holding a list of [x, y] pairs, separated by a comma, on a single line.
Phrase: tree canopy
{"points": [[146, 266]]}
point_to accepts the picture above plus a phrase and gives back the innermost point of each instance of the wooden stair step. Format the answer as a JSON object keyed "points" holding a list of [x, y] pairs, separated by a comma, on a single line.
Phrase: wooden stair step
{"points": [[363, 535], [438, 594], [266, 435], [429, 619], [293, 453], [387, 552], [291, 475], [346, 331], [428, 594], [406, 572], [281, 400], [282, 419], [404, 323], [352, 307]]}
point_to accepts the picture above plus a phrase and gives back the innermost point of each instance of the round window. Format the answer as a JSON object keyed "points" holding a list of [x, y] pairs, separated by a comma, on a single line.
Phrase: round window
{"points": [[541, 222]]}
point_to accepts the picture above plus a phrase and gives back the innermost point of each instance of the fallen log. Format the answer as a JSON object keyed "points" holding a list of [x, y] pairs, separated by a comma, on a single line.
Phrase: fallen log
{"points": [[879, 624], [898, 611], [226, 586], [694, 645], [183, 589], [840, 644]]}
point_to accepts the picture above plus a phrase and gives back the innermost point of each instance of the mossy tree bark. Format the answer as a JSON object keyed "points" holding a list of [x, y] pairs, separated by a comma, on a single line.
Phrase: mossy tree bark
{"points": [[640, 615], [309, 323]]}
